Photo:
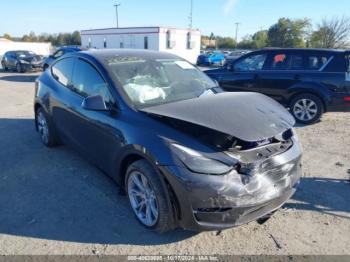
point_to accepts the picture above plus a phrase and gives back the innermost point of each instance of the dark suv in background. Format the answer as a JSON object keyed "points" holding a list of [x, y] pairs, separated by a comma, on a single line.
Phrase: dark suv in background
{"points": [[307, 81]]}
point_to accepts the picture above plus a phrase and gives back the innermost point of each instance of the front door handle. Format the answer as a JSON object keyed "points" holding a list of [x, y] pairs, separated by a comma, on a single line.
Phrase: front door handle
{"points": [[296, 76]]}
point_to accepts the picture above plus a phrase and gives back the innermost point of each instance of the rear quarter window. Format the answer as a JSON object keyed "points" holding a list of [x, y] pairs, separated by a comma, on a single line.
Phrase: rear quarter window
{"points": [[336, 64]]}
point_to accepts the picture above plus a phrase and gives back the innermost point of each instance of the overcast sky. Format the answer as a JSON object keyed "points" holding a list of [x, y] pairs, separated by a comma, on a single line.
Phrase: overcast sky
{"points": [[19, 17]]}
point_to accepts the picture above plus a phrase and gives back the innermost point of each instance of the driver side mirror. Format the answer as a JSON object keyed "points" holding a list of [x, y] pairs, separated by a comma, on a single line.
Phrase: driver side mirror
{"points": [[94, 103]]}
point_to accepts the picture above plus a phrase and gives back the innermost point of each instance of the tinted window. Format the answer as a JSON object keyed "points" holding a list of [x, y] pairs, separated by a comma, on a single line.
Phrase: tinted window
{"points": [[87, 81], [62, 71], [296, 62], [280, 61], [22, 54], [251, 63], [316, 62]]}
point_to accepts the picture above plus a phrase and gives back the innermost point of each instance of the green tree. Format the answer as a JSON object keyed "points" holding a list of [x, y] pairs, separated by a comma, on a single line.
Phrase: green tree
{"points": [[246, 43], [260, 39], [332, 33], [289, 33], [225, 42], [7, 36], [76, 39]]}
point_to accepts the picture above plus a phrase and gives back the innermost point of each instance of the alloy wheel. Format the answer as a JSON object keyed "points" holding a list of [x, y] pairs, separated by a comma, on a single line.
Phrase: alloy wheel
{"points": [[43, 127], [142, 199], [305, 109]]}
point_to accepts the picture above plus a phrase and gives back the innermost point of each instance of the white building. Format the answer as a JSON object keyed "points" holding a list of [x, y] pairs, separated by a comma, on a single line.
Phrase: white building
{"points": [[38, 48], [182, 42]]}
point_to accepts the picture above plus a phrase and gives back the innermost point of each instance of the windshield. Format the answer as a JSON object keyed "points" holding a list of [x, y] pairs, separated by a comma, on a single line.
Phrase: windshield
{"points": [[152, 82], [24, 53]]}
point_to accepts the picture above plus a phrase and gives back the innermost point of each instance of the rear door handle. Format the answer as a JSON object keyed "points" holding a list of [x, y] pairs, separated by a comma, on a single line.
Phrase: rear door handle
{"points": [[296, 76]]}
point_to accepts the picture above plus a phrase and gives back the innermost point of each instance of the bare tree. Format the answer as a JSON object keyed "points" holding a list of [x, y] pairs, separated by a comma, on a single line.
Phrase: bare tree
{"points": [[332, 33]]}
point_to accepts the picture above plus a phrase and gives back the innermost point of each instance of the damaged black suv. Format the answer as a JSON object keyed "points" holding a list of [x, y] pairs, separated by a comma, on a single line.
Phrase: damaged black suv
{"points": [[186, 154]]}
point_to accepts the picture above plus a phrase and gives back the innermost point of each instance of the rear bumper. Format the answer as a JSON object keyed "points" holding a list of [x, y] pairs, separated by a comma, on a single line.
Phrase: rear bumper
{"points": [[338, 104], [208, 202]]}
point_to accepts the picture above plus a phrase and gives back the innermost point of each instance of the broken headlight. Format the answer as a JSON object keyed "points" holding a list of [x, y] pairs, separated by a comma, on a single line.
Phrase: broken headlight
{"points": [[198, 163]]}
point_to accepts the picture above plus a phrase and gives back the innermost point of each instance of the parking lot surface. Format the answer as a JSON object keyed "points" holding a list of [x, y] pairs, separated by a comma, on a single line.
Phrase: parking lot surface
{"points": [[52, 201]]}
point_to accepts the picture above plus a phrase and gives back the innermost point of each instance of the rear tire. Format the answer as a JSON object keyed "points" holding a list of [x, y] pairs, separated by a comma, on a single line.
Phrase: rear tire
{"points": [[307, 108], [44, 127], [153, 197], [4, 67]]}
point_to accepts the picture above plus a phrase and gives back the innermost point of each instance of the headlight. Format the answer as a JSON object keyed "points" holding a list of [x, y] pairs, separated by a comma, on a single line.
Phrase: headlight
{"points": [[198, 163], [24, 62]]}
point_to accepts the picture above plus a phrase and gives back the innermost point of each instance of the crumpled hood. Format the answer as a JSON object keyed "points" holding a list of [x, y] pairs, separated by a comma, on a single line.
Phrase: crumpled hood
{"points": [[247, 116], [34, 58]]}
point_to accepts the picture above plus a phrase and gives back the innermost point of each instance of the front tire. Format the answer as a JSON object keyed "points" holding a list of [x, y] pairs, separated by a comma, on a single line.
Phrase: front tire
{"points": [[19, 68], [307, 108], [44, 128], [148, 198]]}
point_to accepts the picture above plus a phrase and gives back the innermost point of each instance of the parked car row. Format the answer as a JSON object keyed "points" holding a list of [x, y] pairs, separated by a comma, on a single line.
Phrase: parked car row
{"points": [[219, 57]]}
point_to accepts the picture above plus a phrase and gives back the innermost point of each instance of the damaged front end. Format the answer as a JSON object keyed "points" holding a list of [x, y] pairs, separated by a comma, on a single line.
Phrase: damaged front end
{"points": [[257, 162], [263, 179]]}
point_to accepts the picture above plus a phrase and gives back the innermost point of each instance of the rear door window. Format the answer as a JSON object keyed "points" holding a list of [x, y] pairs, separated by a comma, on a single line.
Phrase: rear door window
{"points": [[251, 63], [296, 62], [280, 61], [62, 71]]}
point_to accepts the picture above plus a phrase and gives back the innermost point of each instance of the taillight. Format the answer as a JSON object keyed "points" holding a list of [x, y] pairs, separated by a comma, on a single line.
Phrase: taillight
{"points": [[347, 98]]}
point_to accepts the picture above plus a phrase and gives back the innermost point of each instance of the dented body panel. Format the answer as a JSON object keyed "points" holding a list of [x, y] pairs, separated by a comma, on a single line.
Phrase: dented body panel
{"points": [[219, 202]]}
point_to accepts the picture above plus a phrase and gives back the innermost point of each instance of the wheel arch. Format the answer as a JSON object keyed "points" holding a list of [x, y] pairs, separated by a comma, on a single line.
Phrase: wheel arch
{"points": [[134, 155], [37, 105], [300, 91]]}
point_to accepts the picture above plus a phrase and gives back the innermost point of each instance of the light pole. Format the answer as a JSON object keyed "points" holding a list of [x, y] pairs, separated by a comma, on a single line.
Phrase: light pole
{"points": [[116, 11], [191, 15], [237, 25]]}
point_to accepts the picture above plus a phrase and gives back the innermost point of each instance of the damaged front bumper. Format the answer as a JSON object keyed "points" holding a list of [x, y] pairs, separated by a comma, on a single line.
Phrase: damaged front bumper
{"points": [[214, 202]]}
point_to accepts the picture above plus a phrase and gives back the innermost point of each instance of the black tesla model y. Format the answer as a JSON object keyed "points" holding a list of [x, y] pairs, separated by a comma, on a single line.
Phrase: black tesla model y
{"points": [[186, 153]]}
